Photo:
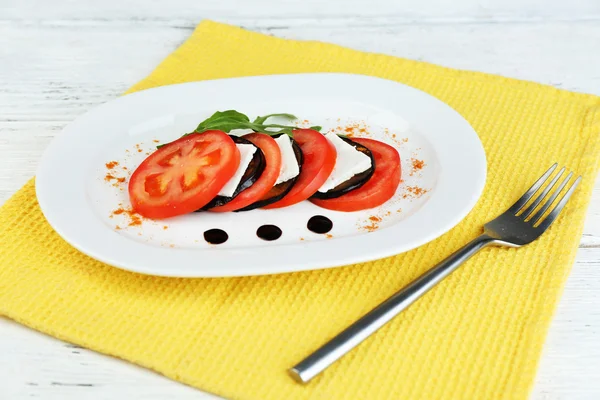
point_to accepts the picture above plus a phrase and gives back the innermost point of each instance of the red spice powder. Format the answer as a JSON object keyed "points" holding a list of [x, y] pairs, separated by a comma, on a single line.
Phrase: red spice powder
{"points": [[417, 165], [352, 129], [110, 177], [304, 124], [394, 137], [417, 191], [135, 221], [134, 218], [156, 141], [414, 192], [374, 225], [111, 164], [371, 228], [165, 227], [328, 236]]}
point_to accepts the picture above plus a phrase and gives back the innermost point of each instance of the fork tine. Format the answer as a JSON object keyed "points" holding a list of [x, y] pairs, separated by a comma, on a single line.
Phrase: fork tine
{"points": [[515, 208], [561, 204], [542, 195], [548, 203]]}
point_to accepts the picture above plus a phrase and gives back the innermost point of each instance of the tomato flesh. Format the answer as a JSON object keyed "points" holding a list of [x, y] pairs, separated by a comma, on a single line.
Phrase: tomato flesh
{"points": [[267, 179], [319, 160], [183, 175], [379, 188]]}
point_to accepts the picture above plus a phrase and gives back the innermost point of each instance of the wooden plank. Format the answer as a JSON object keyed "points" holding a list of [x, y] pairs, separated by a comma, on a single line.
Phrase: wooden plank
{"points": [[410, 9]]}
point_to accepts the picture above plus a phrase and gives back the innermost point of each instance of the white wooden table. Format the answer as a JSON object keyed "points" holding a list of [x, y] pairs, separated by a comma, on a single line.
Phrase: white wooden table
{"points": [[61, 58]]}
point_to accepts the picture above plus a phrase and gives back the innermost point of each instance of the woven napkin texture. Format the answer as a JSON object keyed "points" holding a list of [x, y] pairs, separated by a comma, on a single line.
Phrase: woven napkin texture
{"points": [[478, 335]]}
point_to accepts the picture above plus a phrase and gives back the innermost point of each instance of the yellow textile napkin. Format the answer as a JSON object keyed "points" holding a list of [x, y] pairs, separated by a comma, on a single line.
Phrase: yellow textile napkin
{"points": [[478, 335]]}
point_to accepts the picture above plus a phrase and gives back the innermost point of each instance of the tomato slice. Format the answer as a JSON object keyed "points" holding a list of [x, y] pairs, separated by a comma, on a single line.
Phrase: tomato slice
{"points": [[267, 179], [379, 189], [183, 175], [319, 160]]}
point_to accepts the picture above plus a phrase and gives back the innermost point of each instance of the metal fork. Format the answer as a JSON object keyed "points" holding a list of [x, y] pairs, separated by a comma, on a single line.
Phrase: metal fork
{"points": [[516, 227]]}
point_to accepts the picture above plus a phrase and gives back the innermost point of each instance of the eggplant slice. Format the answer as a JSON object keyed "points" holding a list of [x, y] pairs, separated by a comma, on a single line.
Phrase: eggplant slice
{"points": [[251, 175], [353, 183], [278, 191]]}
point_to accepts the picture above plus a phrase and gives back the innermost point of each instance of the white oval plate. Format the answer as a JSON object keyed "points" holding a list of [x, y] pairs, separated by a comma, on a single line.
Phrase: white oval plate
{"points": [[79, 202]]}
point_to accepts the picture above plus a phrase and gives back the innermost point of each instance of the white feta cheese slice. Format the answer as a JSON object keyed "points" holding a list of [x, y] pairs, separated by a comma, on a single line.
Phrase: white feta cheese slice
{"points": [[349, 162], [246, 153], [289, 164]]}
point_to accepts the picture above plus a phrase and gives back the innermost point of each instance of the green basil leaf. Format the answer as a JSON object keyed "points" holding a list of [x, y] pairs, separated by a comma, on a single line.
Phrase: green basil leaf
{"points": [[229, 120], [261, 120], [225, 121], [316, 128]]}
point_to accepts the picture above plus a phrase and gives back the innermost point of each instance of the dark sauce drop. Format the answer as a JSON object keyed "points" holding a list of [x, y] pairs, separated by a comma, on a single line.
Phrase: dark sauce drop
{"points": [[268, 232], [215, 236], [319, 224]]}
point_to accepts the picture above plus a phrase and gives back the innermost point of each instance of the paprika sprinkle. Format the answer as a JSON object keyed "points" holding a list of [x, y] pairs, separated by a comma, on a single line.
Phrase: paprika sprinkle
{"points": [[414, 192], [110, 177], [111, 164], [417, 165], [134, 218]]}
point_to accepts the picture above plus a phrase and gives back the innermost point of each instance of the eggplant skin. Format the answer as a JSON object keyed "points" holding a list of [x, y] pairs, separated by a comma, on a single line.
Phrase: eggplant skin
{"points": [[279, 191], [253, 172], [353, 183]]}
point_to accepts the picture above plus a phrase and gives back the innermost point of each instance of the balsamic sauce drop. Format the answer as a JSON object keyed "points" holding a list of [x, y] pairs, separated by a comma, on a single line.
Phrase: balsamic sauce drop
{"points": [[319, 224], [215, 236], [268, 232]]}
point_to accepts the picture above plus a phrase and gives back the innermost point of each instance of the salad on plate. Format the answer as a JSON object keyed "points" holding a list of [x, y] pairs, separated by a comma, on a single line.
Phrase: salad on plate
{"points": [[273, 166]]}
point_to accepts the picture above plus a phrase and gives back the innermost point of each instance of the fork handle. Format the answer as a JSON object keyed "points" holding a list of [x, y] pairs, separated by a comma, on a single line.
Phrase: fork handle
{"points": [[352, 336]]}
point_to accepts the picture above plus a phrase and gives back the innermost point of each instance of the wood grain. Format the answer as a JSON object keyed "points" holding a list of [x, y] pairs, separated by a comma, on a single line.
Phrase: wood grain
{"points": [[143, 10], [59, 59]]}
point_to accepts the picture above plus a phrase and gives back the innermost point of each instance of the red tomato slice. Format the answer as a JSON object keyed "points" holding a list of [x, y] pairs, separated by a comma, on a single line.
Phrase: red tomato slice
{"points": [[379, 189], [267, 179], [319, 160], [184, 175]]}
